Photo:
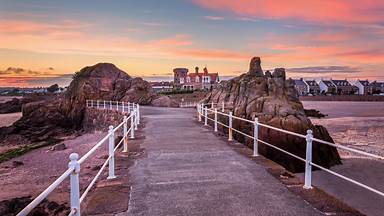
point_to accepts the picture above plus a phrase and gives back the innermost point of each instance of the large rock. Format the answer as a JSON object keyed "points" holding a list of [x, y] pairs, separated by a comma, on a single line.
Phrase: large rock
{"points": [[274, 101], [255, 67], [164, 101], [15, 105], [65, 112]]}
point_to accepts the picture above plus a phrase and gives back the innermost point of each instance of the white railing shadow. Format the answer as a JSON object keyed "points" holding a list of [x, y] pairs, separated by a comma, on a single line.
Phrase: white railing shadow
{"points": [[73, 170], [202, 112]]}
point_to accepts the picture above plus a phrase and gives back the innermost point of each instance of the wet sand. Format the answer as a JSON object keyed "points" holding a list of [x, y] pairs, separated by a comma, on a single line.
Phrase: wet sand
{"points": [[355, 124], [9, 119], [42, 166], [359, 125]]}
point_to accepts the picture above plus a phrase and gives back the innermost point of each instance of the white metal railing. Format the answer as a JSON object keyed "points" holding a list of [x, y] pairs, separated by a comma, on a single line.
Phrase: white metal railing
{"points": [[73, 170], [202, 112], [115, 105], [187, 104]]}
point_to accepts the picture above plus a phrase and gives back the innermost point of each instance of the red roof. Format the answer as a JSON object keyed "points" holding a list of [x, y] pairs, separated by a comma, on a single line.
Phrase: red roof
{"points": [[212, 75]]}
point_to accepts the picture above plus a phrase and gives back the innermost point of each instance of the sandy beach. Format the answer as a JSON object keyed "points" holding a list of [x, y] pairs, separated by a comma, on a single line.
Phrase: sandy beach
{"points": [[359, 125]]}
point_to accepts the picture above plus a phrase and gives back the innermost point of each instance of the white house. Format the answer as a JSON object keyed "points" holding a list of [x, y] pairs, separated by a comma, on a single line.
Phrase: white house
{"points": [[327, 87], [364, 87]]}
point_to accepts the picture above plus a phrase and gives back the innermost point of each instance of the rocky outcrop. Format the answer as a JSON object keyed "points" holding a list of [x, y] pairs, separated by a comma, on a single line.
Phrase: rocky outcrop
{"points": [[15, 105], [65, 112], [255, 67], [274, 101], [164, 101]]}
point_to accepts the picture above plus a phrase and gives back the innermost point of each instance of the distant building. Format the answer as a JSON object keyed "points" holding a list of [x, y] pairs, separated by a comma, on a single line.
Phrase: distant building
{"points": [[161, 86], [179, 75], [194, 81], [343, 87], [377, 87], [312, 87], [364, 87], [301, 87], [327, 87]]}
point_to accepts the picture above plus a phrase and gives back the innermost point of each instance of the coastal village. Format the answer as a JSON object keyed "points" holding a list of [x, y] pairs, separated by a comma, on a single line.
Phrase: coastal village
{"points": [[184, 80]]}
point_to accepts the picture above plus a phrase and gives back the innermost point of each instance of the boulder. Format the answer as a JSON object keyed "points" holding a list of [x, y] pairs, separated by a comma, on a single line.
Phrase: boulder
{"points": [[274, 101], [164, 101], [16, 104]]}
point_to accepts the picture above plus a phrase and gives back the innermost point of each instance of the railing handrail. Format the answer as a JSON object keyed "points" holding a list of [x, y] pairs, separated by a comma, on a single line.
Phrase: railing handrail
{"points": [[72, 170], [203, 110]]}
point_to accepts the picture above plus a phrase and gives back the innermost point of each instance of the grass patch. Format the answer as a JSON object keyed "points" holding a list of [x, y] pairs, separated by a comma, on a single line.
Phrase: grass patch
{"points": [[13, 153]]}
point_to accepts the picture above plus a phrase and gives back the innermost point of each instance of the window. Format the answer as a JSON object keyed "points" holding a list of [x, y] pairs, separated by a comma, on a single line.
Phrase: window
{"points": [[197, 79], [181, 80], [188, 79]]}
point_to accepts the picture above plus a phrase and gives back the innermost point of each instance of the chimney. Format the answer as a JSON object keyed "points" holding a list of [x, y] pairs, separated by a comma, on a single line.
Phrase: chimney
{"points": [[196, 70]]}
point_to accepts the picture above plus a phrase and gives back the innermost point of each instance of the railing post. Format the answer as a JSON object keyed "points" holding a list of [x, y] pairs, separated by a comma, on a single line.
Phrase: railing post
{"points": [[129, 108], [222, 107], [212, 105], [74, 184], [104, 104], [125, 135], [230, 126], [135, 111], [86, 103], [111, 165], [132, 126], [138, 114], [199, 112], [205, 116], [110, 105], [308, 161], [117, 105], [256, 137], [122, 103], [92, 103], [97, 104], [215, 119]]}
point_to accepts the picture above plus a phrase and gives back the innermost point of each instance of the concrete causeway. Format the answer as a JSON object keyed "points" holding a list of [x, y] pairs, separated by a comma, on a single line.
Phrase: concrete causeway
{"points": [[188, 170]]}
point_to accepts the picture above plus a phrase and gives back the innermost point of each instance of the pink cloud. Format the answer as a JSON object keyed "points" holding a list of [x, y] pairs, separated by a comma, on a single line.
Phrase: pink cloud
{"points": [[344, 11], [214, 18]]}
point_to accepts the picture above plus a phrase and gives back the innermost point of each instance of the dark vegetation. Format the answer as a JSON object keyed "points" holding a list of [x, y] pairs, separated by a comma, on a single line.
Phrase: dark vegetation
{"points": [[314, 113], [13, 153]]}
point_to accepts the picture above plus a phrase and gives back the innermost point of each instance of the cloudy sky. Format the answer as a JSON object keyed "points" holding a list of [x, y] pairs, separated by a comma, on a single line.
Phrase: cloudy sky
{"points": [[46, 41]]}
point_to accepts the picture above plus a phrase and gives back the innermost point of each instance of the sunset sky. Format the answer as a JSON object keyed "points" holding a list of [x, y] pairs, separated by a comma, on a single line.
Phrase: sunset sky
{"points": [[44, 42]]}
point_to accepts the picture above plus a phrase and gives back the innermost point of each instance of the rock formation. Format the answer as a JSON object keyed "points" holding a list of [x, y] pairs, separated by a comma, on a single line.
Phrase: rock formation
{"points": [[15, 104], [65, 112], [274, 101], [255, 67]]}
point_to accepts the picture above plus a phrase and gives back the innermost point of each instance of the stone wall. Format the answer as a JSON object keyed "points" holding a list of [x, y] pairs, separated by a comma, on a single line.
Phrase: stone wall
{"points": [[342, 98], [99, 119]]}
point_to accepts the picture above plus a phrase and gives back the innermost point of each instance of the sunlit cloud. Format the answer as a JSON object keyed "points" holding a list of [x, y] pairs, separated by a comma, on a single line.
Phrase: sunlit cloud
{"points": [[21, 72], [215, 18], [345, 11]]}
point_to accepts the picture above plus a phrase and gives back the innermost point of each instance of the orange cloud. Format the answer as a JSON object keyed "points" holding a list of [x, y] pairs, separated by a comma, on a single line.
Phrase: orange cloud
{"points": [[345, 11]]}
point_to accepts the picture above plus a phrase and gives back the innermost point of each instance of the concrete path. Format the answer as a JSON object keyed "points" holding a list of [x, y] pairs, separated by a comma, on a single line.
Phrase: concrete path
{"points": [[190, 171]]}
